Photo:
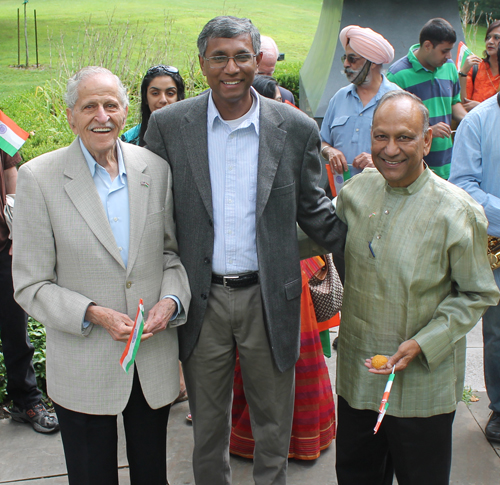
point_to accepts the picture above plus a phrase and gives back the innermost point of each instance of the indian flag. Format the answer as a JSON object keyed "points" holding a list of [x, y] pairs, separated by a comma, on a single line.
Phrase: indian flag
{"points": [[12, 137], [128, 356], [462, 54]]}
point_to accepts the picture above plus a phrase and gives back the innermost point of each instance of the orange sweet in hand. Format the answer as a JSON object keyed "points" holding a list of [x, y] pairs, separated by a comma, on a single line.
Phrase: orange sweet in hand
{"points": [[379, 361]]}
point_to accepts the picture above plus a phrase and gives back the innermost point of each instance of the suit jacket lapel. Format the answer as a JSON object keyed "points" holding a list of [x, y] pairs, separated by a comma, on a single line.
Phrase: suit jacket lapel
{"points": [[194, 135], [271, 146], [138, 200], [82, 191]]}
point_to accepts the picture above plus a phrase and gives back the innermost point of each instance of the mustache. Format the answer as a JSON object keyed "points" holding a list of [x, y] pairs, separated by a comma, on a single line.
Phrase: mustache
{"points": [[351, 71], [108, 124]]}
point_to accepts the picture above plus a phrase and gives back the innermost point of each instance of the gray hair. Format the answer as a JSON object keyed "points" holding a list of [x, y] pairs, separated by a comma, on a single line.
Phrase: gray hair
{"points": [[228, 27], [71, 95], [400, 93]]}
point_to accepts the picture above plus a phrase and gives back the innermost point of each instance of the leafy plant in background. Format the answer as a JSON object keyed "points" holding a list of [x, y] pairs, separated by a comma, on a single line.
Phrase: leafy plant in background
{"points": [[36, 332], [287, 75]]}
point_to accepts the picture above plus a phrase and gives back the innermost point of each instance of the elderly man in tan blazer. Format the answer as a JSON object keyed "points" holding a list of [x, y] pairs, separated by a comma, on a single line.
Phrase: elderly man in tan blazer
{"points": [[94, 233]]}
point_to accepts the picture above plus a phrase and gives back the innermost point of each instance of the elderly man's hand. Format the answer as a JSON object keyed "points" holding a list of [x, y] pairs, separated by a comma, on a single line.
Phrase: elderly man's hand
{"points": [[362, 161], [441, 130], [336, 159], [407, 351], [117, 324], [159, 316]]}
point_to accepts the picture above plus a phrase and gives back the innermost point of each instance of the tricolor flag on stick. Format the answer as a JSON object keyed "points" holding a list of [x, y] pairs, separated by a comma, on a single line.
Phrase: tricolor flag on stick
{"points": [[12, 137], [128, 356], [462, 54], [384, 404]]}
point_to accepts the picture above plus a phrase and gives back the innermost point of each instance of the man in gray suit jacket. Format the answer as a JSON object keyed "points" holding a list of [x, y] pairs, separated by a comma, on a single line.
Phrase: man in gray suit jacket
{"points": [[245, 170], [94, 233]]}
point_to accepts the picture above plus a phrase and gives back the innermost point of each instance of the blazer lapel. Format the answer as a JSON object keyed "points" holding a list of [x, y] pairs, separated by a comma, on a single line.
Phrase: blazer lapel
{"points": [[138, 199], [82, 191], [194, 135], [271, 146]]}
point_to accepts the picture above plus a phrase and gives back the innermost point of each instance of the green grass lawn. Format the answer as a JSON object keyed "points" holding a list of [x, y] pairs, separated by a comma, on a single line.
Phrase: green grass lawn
{"points": [[292, 24]]}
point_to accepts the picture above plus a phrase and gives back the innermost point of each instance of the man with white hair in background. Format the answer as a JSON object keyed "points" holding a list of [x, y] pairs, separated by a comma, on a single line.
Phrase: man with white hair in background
{"points": [[345, 131], [270, 54]]}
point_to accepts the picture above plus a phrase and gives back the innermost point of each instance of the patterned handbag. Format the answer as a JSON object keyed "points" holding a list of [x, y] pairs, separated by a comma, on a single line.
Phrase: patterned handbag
{"points": [[325, 286]]}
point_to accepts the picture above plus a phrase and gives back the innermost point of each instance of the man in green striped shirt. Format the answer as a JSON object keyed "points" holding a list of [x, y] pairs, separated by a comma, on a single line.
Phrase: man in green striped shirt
{"points": [[429, 73], [417, 280]]}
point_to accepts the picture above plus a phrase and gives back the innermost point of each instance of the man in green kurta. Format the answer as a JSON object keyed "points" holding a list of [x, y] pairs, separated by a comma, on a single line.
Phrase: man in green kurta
{"points": [[417, 280]]}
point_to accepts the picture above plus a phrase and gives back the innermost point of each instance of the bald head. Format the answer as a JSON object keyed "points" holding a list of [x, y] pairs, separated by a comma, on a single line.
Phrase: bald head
{"points": [[270, 55]]}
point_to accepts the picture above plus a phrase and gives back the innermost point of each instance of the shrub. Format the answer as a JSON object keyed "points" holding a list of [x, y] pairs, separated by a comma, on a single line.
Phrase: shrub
{"points": [[287, 75]]}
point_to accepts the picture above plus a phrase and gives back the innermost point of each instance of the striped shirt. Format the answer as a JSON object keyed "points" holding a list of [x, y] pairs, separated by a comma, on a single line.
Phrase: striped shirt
{"points": [[233, 156], [424, 276], [439, 90]]}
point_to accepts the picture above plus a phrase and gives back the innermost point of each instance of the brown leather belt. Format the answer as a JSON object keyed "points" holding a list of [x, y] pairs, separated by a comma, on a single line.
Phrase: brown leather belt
{"points": [[236, 281]]}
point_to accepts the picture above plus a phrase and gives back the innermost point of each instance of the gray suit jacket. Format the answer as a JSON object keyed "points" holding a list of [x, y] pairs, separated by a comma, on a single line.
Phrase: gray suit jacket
{"points": [[66, 257], [287, 192]]}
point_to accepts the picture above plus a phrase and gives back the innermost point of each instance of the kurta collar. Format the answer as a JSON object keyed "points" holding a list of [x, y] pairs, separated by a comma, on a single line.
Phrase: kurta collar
{"points": [[414, 187]]}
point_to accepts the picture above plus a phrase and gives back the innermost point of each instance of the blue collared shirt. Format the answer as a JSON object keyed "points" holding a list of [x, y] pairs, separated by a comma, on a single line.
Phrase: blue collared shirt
{"points": [[114, 198], [347, 123], [233, 156], [474, 163]]}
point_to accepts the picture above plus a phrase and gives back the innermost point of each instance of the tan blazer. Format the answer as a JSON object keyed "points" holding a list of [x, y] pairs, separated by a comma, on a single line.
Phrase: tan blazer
{"points": [[65, 257]]}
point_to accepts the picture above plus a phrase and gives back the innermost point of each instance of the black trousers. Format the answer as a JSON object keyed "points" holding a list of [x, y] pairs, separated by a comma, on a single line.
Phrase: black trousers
{"points": [[90, 443], [17, 348], [418, 450]]}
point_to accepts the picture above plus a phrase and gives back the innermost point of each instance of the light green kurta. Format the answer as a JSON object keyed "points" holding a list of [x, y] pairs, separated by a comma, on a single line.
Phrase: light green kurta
{"points": [[428, 278]]}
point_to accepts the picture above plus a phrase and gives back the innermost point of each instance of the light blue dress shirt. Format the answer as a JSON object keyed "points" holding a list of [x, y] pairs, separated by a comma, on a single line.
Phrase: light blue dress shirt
{"points": [[347, 123], [233, 156], [114, 198], [475, 163]]}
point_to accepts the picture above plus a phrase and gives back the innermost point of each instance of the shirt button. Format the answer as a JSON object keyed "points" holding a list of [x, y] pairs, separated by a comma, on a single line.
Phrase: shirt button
{"points": [[206, 260], [115, 219], [229, 201], [360, 114], [357, 129], [120, 249], [386, 212], [379, 236], [129, 284]]}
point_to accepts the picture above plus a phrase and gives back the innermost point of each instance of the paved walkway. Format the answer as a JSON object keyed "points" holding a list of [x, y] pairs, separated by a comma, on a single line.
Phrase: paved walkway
{"points": [[29, 458]]}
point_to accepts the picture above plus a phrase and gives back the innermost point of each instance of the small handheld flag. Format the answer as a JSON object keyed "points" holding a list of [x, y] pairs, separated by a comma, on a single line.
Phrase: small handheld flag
{"points": [[12, 137], [384, 404], [128, 356], [462, 53]]}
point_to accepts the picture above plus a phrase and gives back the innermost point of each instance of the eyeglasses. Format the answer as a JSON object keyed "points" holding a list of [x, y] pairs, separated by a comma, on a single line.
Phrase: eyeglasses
{"points": [[350, 59], [160, 68], [241, 60]]}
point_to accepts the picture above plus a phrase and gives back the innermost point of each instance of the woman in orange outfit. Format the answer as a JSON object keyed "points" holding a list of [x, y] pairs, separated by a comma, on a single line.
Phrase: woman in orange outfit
{"points": [[481, 82]]}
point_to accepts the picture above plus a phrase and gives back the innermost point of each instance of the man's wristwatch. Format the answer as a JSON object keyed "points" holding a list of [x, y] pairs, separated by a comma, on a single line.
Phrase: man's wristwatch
{"points": [[322, 150], [460, 73]]}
